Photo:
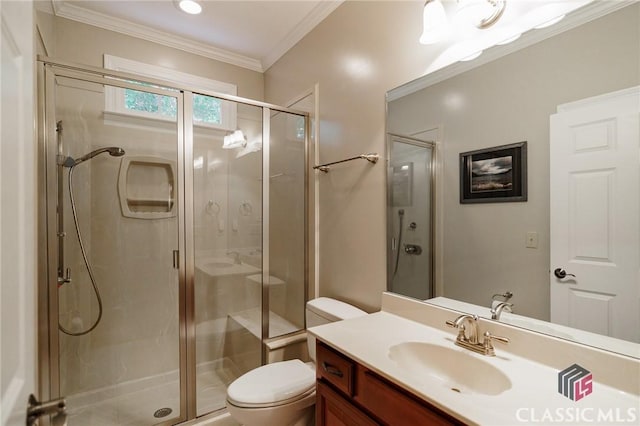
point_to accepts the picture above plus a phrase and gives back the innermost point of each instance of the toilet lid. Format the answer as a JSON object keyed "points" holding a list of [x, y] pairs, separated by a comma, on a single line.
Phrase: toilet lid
{"points": [[272, 383]]}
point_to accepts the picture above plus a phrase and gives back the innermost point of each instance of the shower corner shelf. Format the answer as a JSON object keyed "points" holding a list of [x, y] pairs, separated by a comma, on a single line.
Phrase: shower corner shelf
{"points": [[147, 186]]}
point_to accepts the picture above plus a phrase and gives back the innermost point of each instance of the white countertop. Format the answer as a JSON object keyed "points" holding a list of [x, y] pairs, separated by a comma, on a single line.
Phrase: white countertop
{"points": [[532, 398]]}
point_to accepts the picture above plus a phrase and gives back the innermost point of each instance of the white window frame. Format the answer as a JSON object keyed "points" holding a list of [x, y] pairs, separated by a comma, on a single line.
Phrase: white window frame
{"points": [[115, 96]]}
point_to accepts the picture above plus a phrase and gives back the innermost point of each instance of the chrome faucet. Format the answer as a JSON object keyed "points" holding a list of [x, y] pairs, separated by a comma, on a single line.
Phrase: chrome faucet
{"points": [[467, 338], [236, 257], [496, 311]]}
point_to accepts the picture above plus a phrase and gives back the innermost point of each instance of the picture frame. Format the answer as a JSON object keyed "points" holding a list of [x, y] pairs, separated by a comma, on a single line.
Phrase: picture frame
{"points": [[494, 175]]}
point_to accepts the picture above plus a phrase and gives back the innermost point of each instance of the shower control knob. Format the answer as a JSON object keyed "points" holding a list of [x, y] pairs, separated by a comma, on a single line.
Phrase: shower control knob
{"points": [[413, 249], [66, 279]]}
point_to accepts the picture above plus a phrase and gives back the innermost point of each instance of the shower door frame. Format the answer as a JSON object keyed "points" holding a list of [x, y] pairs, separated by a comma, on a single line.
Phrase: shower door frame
{"points": [[48, 338]]}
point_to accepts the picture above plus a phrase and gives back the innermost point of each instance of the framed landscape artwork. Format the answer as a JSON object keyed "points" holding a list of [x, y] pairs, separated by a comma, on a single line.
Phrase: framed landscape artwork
{"points": [[493, 175]]}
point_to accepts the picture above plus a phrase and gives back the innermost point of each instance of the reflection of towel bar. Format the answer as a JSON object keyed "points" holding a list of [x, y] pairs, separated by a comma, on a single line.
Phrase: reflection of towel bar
{"points": [[371, 157]]}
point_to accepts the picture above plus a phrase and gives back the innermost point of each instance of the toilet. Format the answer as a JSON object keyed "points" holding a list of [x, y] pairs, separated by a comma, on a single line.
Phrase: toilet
{"points": [[283, 393]]}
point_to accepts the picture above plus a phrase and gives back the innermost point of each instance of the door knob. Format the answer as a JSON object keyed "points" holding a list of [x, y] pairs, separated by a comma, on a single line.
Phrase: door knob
{"points": [[561, 273]]}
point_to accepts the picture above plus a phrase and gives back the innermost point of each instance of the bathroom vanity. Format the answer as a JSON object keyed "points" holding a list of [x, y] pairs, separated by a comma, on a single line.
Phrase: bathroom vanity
{"points": [[349, 393], [401, 366]]}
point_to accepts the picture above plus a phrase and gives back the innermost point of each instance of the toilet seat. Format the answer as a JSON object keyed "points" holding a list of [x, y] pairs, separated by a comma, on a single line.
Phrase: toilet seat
{"points": [[272, 385]]}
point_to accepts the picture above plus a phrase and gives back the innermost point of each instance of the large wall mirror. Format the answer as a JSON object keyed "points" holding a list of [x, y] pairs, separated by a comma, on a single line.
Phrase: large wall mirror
{"points": [[573, 97]]}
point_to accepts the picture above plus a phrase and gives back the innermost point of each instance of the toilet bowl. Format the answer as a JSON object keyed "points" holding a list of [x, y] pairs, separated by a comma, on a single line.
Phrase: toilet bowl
{"points": [[283, 393]]}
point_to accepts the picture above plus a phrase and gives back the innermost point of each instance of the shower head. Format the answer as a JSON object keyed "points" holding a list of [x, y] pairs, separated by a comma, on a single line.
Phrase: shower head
{"points": [[401, 212], [114, 151]]}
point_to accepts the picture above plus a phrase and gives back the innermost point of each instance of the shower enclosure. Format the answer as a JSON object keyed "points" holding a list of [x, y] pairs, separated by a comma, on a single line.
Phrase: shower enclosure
{"points": [[172, 247], [410, 235]]}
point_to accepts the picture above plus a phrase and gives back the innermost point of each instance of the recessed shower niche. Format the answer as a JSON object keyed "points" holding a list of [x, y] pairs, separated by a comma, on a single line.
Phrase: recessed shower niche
{"points": [[146, 186]]}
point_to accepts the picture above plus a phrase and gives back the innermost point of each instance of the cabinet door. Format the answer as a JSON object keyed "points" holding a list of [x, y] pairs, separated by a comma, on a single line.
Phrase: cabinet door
{"points": [[393, 406], [334, 410]]}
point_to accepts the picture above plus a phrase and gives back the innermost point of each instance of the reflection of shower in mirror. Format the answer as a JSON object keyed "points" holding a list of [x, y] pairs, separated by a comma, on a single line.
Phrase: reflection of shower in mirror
{"points": [[409, 186]]}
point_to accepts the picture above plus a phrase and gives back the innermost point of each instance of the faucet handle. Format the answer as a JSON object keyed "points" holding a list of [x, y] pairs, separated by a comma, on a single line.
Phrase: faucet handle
{"points": [[460, 328], [488, 338]]}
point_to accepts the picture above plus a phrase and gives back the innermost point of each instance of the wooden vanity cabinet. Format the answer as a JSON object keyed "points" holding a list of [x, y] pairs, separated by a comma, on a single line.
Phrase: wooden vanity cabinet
{"points": [[349, 394]]}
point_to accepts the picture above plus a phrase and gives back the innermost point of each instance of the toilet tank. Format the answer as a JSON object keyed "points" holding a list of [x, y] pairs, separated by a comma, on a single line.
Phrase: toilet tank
{"points": [[324, 310]]}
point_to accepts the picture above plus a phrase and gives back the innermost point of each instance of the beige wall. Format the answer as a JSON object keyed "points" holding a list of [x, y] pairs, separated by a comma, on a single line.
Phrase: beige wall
{"points": [[362, 50], [359, 52], [506, 101]]}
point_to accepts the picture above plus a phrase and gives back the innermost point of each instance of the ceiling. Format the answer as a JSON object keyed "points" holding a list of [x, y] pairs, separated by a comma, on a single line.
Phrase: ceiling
{"points": [[250, 34]]}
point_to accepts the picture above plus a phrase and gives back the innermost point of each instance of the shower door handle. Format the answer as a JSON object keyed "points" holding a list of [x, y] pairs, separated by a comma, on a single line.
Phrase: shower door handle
{"points": [[56, 408], [176, 259]]}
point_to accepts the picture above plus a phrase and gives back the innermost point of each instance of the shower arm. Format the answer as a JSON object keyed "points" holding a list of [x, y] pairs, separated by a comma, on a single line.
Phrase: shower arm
{"points": [[371, 157]]}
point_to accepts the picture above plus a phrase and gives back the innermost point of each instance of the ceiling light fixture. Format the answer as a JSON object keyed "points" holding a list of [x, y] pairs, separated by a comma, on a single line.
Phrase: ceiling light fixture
{"points": [[434, 22], [191, 7], [481, 13], [470, 26]]}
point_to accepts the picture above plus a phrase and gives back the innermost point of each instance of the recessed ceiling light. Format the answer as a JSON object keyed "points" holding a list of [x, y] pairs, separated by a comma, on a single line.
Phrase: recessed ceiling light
{"points": [[191, 7]]}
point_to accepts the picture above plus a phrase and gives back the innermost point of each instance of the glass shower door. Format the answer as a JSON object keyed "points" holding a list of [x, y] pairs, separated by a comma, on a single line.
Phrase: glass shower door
{"points": [[227, 239], [117, 296], [287, 283]]}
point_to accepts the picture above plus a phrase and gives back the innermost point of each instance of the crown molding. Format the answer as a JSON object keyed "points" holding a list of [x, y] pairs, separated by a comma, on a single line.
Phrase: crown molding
{"points": [[122, 26], [317, 15], [588, 13]]}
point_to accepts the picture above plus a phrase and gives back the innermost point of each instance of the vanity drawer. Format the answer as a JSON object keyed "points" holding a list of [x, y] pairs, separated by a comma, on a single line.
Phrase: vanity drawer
{"points": [[335, 368]]}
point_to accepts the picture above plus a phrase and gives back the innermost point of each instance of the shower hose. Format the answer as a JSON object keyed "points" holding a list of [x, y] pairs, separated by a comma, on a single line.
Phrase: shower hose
{"points": [[86, 262]]}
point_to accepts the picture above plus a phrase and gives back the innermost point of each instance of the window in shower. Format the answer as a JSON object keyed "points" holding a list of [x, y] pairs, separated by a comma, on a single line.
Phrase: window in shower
{"points": [[208, 111]]}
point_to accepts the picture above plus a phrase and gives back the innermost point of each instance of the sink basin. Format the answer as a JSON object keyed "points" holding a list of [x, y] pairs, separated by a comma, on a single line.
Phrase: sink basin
{"points": [[459, 371]]}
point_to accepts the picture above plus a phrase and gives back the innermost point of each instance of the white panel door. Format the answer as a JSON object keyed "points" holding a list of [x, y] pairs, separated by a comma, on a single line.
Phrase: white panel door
{"points": [[595, 214], [17, 211]]}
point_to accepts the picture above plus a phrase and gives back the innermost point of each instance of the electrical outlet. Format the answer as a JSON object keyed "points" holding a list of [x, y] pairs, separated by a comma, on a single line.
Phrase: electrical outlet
{"points": [[532, 240]]}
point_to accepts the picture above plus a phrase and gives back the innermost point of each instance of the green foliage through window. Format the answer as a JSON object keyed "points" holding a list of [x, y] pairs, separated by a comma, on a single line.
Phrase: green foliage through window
{"points": [[150, 102], [205, 108]]}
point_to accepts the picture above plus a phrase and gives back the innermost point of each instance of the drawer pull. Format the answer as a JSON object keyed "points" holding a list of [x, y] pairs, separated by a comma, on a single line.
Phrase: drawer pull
{"points": [[331, 369]]}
